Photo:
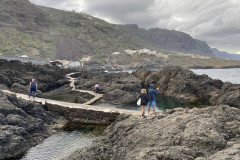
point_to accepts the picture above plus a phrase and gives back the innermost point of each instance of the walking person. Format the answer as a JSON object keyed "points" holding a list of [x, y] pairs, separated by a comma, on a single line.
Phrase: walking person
{"points": [[96, 87], [75, 85], [152, 98], [144, 101], [32, 88]]}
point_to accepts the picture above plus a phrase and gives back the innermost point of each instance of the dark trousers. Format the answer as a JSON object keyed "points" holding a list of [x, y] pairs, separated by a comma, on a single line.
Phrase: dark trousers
{"points": [[32, 92], [97, 89]]}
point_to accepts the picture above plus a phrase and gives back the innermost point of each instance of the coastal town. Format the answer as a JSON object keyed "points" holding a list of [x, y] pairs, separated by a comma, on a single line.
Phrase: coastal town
{"points": [[80, 63]]}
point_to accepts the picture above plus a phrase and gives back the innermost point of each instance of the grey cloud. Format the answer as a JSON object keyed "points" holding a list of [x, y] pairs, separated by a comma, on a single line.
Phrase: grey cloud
{"points": [[124, 11], [209, 20]]}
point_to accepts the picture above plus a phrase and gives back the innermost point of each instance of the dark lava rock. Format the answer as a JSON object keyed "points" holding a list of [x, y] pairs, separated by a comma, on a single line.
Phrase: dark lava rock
{"points": [[185, 85], [20, 74], [118, 88], [66, 91], [229, 94], [22, 125], [208, 133], [181, 84]]}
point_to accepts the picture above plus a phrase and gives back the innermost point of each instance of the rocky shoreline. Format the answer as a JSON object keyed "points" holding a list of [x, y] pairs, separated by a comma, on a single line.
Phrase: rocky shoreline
{"points": [[180, 133], [176, 83], [200, 134], [187, 86]]}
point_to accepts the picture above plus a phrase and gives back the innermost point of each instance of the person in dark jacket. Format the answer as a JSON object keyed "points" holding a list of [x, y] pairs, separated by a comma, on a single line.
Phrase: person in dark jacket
{"points": [[32, 88], [144, 101], [152, 98], [75, 85]]}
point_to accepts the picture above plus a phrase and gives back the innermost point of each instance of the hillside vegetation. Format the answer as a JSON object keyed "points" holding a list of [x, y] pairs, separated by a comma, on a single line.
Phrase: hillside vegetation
{"points": [[45, 32]]}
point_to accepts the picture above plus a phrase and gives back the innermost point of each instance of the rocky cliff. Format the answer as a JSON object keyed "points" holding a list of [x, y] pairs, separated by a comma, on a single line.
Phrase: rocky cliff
{"points": [[170, 40], [200, 134]]}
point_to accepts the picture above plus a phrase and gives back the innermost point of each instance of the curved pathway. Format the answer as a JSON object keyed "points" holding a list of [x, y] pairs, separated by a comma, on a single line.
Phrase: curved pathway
{"points": [[91, 101], [77, 105]]}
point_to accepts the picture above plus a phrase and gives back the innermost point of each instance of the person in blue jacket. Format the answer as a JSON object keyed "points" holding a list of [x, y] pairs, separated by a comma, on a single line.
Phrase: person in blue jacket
{"points": [[152, 98]]}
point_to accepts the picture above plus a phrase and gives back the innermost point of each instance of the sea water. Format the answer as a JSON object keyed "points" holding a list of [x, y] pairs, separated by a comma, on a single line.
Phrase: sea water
{"points": [[226, 75], [58, 146], [62, 144]]}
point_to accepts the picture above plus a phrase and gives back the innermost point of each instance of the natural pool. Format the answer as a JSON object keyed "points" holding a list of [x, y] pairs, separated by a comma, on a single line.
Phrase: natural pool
{"points": [[67, 98], [63, 144], [163, 103], [76, 136]]}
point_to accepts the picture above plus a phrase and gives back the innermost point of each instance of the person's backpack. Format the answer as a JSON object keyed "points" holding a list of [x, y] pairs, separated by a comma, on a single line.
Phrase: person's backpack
{"points": [[33, 85]]}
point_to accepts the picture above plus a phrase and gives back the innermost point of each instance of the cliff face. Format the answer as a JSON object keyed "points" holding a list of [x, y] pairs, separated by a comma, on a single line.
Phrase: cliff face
{"points": [[45, 32], [170, 40]]}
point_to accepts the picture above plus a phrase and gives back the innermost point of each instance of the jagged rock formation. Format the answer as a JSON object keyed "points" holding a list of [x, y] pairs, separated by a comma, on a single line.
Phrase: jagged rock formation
{"points": [[185, 85], [118, 88], [17, 76], [209, 133], [22, 124]]}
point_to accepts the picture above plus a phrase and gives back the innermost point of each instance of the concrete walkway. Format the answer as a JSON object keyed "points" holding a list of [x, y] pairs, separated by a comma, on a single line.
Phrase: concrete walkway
{"points": [[91, 101], [74, 105], [77, 105]]}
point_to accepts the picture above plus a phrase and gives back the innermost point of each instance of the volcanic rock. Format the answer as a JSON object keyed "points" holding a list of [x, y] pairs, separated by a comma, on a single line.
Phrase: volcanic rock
{"points": [[118, 88], [17, 76], [229, 94], [22, 125], [208, 133]]}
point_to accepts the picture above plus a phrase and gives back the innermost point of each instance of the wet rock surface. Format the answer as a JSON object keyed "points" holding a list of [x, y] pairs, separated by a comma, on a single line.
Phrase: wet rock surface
{"points": [[118, 88], [208, 133]]}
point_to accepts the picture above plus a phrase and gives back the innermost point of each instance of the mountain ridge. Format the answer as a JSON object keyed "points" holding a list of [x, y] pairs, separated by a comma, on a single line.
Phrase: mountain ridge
{"points": [[39, 31], [225, 55], [170, 40]]}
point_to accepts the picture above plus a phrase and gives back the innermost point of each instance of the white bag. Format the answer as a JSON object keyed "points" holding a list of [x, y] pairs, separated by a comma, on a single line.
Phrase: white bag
{"points": [[139, 102]]}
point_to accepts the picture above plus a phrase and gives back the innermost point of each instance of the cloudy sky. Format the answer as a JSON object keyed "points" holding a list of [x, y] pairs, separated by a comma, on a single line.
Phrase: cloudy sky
{"points": [[214, 21]]}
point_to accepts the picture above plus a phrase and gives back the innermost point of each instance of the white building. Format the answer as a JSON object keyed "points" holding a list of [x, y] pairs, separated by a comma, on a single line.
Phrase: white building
{"points": [[24, 56], [74, 64], [115, 53], [131, 52]]}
